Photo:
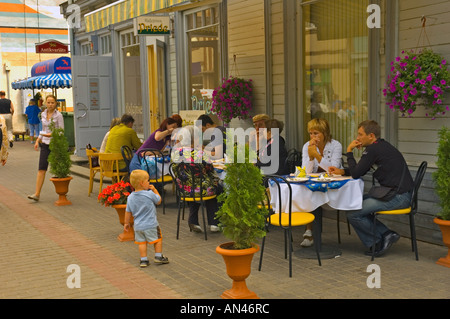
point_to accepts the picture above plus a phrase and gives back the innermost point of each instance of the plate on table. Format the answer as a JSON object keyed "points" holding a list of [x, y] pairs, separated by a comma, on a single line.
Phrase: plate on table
{"points": [[297, 179], [322, 180]]}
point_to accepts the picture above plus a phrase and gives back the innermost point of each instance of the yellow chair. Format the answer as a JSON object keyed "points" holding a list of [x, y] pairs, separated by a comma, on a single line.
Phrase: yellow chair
{"points": [[286, 220], [92, 169], [157, 176], [410, 211], [182, 198], [109, 167]]}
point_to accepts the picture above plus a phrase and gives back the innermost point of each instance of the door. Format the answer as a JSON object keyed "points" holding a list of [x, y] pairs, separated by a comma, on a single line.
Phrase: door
{"points": [[157, 83], [93, 100]]}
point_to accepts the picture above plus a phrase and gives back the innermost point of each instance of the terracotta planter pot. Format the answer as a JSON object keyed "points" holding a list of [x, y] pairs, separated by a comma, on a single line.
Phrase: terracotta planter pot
{"points": [[238, 263], [126, 235], [444, 225], [61, 188]]}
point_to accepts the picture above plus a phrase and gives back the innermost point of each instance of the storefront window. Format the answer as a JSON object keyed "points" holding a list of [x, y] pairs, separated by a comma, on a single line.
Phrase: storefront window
{"points": [[132, 79], [202, 37], [335, 64]]}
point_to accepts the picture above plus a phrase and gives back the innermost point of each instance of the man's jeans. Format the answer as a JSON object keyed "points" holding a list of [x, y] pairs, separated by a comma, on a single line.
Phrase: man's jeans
{"points": [[362, 220]]}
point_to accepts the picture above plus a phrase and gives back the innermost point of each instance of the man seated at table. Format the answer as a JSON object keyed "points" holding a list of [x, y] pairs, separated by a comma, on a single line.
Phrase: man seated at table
{"points": [[273, 154], [217, 136], [121, 135], [392, 171]]}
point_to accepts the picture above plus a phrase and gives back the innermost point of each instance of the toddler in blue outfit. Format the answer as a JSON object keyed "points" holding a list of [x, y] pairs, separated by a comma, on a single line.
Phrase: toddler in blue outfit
{"points": [[141, 205]]}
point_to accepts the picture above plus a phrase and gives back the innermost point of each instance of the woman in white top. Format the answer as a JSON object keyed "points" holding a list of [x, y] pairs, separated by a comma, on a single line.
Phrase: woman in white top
{"points": [[51, 114], [318, 155]]}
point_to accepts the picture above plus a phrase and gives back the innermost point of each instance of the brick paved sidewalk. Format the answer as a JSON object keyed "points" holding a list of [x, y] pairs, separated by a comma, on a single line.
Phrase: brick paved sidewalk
{"points": [[39, 241]]}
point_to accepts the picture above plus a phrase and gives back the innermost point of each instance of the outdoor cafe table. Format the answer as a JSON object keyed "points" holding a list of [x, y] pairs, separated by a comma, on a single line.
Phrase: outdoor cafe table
{"points": [[341, 193]]}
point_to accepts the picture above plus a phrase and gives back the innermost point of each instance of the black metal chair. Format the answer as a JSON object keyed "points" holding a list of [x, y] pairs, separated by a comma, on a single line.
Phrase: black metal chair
{"points": [[286, 220], [194, 197], [410, 211], [293, 159], [338, 218], [157, 176], [127, 155]]}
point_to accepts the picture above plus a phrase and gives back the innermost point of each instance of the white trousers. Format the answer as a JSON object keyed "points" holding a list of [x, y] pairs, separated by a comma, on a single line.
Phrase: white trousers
{"points": [[9, 126]]}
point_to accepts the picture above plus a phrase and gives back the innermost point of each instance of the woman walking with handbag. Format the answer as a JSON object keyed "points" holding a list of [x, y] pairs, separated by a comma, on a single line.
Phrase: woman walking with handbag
{"points": [[51, 114]]}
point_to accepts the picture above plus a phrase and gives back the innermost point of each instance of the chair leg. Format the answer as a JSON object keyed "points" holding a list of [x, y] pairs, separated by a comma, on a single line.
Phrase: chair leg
{"points": [[373, 233], [338, 227], [204, 220], [101, 184], [285, 243], [91, 184], [413, 235], [262, 252], [163, 200], [290, 252]]}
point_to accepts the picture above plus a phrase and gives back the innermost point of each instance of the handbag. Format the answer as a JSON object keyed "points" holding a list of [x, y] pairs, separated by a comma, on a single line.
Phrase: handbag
{"points": [[385, 193], [94, 159]]}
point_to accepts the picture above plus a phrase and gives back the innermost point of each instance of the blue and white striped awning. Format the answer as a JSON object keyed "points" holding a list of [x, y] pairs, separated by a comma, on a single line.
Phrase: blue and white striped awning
{"points": [[55, 80]]}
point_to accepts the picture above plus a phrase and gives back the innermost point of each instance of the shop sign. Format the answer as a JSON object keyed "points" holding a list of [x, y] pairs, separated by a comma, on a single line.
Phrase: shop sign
{"points": [[52, 46], [94, 95], [153, 25]]}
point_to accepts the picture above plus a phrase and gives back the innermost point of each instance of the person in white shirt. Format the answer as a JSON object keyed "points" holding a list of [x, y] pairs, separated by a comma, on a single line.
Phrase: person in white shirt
{"points": [[321, 152], [51, 114]]}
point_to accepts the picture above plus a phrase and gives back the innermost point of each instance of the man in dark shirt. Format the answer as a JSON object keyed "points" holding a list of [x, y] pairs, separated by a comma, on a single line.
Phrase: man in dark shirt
{"points": [[7, 110], [216, 136], [391, 171]]}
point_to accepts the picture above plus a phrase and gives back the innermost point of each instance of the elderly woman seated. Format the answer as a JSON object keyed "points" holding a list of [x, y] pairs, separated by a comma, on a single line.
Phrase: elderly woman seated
{"points": [[191, 163]]}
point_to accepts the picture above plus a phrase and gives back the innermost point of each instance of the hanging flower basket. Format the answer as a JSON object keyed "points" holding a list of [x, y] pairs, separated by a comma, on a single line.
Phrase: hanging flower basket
{"points": [[233, 99], [418, 78]]}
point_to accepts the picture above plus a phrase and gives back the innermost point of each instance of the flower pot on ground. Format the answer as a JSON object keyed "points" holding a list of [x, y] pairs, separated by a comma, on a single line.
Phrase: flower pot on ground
{"points": [[116, 195], [444, 225], [241, 219], [238, 263], [60, 163], [442, 188], [129, 234], [62, 188]]}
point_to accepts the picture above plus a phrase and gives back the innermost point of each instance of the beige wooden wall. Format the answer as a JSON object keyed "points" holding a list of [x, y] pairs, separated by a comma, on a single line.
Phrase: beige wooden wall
{"points": [[418, 137], [246, 41]]}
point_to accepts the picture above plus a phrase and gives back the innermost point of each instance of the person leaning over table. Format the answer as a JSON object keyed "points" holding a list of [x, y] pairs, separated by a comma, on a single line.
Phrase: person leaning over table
{"points": [[51, 114], [121, 135], [392, 171], [321, 152], [159, 139]]}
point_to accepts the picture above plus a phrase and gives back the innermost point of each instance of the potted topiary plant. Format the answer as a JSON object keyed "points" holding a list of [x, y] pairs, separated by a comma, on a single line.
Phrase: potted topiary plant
{"points": [[442, 187], [241, 219], [60, 163]]}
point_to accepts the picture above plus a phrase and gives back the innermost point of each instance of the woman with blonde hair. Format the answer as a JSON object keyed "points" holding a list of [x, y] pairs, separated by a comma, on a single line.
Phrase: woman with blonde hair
{"points": [[321, 152], [51, 114], [115, 121]]}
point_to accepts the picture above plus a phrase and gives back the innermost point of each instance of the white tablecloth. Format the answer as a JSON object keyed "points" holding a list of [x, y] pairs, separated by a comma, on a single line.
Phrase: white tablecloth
{"points": [[347, 197]]}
